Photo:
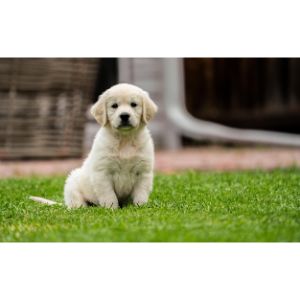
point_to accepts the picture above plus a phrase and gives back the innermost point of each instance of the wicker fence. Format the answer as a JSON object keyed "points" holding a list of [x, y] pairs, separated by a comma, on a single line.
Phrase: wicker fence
{"points": [[43, 104]]}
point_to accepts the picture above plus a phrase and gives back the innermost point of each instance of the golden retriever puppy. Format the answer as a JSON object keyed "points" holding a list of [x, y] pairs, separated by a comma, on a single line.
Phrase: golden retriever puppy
{"points": [[119, 166]]}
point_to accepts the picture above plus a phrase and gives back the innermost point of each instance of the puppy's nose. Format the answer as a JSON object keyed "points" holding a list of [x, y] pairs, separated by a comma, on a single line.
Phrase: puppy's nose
{"points": [[124, 117]]}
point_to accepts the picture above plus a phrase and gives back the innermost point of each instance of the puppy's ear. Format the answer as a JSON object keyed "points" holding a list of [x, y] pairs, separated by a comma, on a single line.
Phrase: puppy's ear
{"points": [[98, 110], [149, 108]]}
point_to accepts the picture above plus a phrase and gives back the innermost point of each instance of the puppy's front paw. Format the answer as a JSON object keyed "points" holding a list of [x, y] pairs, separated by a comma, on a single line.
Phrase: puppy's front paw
{"points": [[109, 203], [140, 201]]}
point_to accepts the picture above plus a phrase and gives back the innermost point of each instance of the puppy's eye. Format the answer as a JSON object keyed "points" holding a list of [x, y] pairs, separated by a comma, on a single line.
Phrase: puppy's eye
{"points": [[133, 104], [115, 105]]}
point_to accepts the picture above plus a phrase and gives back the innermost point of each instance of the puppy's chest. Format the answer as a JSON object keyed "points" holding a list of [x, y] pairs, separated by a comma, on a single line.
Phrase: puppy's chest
{"points": [[125, 165], [124, 173]]}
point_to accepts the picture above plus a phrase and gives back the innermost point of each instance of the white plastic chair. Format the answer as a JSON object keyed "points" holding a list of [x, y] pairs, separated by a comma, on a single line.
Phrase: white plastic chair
{"points": [[164, 79]]}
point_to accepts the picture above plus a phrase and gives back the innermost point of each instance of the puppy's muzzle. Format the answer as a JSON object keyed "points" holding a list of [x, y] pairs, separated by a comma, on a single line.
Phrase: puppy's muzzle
{"points": [[125, 120]]}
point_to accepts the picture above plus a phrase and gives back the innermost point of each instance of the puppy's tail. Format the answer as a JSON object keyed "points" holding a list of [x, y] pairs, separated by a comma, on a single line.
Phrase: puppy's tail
{"points": [[44, 201]]}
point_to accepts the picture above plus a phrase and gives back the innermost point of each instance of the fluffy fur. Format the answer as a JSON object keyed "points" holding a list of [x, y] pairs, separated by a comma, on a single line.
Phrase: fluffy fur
{"points": [[119, 167]]}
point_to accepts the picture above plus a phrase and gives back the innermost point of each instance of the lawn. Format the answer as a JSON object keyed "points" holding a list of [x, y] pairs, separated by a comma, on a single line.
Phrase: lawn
{"points": [[254, 206]]}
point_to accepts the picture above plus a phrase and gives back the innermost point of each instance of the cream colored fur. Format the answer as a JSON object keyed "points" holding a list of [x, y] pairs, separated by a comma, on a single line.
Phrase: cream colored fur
{"points": [[120, 164]]}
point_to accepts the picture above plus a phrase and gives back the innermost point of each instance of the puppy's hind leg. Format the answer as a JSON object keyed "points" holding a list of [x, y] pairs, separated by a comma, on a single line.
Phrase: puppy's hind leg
{"points": [[72, 196], [74, 199]]}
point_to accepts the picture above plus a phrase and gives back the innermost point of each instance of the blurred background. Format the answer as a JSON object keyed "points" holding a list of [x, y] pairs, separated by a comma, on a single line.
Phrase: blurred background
{"points": [[44, 104]]}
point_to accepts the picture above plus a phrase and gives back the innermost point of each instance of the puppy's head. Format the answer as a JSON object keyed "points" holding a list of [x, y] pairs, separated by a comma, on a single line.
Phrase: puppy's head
{"points": [[124, 107]]}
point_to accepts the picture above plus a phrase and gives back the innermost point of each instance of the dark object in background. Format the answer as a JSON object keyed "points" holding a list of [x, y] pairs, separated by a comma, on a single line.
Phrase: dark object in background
{"points": [[107, 76], [43, 105], [261, 93]]}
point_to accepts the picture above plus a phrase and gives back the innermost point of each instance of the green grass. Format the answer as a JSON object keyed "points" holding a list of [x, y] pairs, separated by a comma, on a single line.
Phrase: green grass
{"points": [[207, 206]]}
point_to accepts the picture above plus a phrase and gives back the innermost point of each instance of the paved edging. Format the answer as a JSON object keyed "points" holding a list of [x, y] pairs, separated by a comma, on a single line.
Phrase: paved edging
{"points": [[205, 158]]}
